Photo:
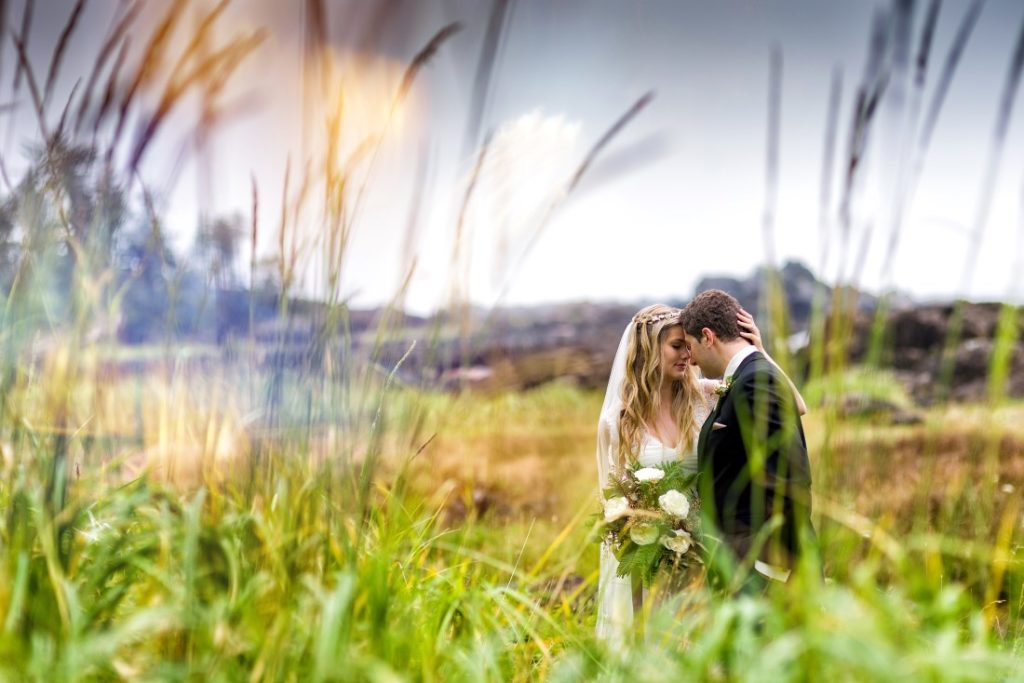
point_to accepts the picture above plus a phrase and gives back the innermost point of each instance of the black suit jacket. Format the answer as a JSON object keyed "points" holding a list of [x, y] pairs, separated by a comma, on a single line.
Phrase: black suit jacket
{"points": [[754, 463]]}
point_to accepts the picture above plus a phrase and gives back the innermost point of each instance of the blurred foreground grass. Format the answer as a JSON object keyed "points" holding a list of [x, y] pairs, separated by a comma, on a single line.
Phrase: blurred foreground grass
{"points": [[298, 514], [192, 540]]}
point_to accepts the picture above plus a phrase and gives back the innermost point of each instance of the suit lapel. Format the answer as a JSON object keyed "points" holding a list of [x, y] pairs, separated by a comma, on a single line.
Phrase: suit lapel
{"points": [[739, 370], [705, 430]]}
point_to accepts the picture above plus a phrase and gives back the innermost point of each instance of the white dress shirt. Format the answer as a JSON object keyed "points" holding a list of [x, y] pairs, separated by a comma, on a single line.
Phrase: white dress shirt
{"points": [[734, 362]]}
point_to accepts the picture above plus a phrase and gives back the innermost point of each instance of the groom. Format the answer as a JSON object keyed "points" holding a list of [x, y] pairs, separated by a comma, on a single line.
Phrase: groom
{"points": [[755, 480]]}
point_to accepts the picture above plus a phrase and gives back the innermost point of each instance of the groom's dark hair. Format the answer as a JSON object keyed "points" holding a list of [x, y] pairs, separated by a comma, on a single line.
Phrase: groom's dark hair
{"points": [[714, 309]]}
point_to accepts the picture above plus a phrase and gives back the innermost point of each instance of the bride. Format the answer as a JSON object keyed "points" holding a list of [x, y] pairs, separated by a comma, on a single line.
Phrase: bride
{"points": [[653, 411]]}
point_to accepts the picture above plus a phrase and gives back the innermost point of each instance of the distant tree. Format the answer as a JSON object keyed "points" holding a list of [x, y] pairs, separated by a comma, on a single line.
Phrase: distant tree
{"points": [[216, 248], [57, 229]]}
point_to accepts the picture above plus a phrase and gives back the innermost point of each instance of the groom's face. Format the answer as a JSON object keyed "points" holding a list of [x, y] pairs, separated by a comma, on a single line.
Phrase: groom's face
{"points": [[700, 354]]}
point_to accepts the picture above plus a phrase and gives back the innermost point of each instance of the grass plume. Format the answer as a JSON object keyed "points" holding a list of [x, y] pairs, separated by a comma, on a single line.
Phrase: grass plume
{"points": [[58, 51]]}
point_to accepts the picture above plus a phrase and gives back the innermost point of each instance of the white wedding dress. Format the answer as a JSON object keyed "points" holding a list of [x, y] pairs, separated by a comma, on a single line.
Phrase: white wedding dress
{"points": [[653, 452], [615, 593]]}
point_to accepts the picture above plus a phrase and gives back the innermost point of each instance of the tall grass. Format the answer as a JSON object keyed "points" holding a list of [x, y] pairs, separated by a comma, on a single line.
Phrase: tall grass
{"points": [[275, 514]]}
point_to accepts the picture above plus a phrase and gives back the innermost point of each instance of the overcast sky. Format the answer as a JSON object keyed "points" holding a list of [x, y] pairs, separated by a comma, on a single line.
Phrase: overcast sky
{"points": [[679, 194]]}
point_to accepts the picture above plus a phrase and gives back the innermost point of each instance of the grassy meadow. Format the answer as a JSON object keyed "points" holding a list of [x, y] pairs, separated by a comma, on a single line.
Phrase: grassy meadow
{"points": [[262, 509], [448, 537]]}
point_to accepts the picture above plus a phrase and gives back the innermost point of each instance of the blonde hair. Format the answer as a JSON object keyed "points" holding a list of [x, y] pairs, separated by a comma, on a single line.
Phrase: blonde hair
{"points": [[641, 388]]}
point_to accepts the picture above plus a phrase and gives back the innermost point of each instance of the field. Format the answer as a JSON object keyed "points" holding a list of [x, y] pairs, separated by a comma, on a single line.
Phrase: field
{"points": [[426, 536], [214, 467]]}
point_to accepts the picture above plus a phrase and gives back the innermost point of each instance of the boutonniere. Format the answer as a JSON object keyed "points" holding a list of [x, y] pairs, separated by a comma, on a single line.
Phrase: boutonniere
{"points": [[723, 386]]}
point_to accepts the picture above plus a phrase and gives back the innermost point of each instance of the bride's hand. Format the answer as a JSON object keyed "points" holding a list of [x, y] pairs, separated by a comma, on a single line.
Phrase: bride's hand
{"points": [[752, 334]]}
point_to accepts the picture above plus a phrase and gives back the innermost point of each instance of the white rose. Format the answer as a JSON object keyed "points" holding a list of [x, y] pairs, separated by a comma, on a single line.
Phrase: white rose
{"points": [[644, 534], [615, 508], [649, 474], [679, 543], [674, 503]]}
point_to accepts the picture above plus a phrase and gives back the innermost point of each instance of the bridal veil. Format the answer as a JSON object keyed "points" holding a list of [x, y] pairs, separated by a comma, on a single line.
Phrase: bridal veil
{"points": [[614, 593]]}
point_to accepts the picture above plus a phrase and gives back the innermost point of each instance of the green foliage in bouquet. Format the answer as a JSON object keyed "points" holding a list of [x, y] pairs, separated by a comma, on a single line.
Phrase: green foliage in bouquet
{"points": [[640, 560], [651, 520]]}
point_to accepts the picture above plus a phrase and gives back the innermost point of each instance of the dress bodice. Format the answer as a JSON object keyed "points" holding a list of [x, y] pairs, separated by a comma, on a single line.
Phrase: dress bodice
{"points": [[653, 452]]}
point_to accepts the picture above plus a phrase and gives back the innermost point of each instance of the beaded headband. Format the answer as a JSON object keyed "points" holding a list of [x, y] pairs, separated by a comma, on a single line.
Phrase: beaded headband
{"points": [[639, 319]]}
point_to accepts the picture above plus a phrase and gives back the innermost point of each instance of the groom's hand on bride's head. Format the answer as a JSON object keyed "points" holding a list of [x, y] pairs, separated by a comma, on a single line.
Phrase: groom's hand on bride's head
{"points": [[752, 334]]}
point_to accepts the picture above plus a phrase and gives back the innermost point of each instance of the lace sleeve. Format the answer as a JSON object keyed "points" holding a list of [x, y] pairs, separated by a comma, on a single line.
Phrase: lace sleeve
{"points": [[708, 393]]}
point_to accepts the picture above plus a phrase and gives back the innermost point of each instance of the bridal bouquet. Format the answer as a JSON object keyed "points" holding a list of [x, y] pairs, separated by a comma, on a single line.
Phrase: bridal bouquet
{"points": [[650, 521]]}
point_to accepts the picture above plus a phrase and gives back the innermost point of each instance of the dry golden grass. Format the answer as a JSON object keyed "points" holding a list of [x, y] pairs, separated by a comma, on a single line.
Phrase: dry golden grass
{"points": [[512, 456], [532, 453], [959, 451]]}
